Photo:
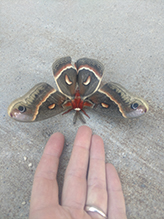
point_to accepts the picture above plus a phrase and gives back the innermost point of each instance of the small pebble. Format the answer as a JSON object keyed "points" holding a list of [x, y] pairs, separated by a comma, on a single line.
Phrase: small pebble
{"points": [[23, 203], [30, 164], [25, 158]]}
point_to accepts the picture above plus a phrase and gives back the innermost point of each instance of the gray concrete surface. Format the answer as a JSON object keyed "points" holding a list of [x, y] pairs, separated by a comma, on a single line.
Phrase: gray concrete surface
{"points": [[128, 38]]}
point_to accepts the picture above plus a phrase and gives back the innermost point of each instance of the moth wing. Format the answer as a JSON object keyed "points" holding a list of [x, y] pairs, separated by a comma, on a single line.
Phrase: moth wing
{"points": [[65, 76], [129, 105], [90, 72], [41, 102]]}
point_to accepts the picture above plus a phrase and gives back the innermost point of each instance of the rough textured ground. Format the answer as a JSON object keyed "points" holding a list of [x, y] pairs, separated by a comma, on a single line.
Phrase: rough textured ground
{"points": [[128, 38]]}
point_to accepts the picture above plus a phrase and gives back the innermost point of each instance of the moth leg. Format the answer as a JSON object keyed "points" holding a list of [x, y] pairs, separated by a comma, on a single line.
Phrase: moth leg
{"points": [[85, 113], [81, 117], [75, 117], [67, 111]]}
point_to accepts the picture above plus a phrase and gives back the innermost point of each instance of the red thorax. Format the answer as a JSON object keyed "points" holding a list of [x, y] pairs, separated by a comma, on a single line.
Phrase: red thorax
{"points": [[77, 104]]}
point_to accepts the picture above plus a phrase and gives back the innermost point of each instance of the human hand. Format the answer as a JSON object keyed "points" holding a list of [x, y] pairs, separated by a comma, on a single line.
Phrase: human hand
{"points": [[88, 181]]}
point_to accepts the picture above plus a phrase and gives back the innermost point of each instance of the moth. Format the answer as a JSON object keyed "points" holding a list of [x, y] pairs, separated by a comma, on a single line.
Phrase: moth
{"points": [[78, 88]]}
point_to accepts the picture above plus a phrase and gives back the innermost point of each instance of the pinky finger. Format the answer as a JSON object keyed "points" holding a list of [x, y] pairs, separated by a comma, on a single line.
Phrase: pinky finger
{"points": [[116, 202]]}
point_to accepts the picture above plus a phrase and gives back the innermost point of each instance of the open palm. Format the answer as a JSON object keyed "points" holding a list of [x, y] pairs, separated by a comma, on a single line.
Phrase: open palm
{"points": [[88, 181]]}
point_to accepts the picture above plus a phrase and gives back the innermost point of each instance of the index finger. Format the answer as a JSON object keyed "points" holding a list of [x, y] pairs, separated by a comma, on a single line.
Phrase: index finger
{"points": [[45, 187]]}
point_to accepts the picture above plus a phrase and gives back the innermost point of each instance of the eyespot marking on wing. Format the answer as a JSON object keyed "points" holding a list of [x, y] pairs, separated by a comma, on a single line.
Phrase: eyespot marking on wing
{"points": [[87, 81], [52, 106], [67, 80], [104, 105], [22, 109]]}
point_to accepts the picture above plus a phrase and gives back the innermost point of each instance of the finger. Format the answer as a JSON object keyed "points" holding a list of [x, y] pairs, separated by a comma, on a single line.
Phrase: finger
{"points": [[97, 192], [74, 189], [45, 188], [116, 202]]}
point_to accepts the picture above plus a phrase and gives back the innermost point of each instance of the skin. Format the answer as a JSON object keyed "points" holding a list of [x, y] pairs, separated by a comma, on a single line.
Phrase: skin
{"points": [[101, 188]]}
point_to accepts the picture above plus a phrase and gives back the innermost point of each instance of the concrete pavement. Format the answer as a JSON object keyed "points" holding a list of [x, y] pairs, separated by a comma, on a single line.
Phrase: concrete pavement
{"points": [[128, 38]]}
